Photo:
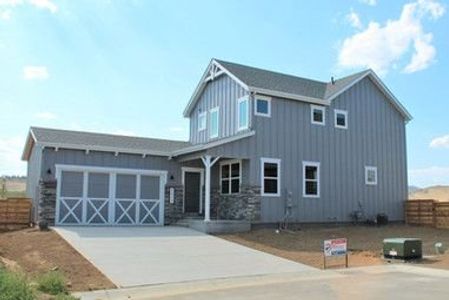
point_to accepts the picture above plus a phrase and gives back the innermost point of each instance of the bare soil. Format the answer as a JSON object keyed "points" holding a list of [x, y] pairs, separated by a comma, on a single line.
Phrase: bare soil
{"points": [[36, 252], [304, 245]]}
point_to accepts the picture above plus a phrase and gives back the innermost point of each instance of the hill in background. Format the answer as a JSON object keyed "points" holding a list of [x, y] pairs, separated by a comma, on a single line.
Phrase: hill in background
{"points": [[12, 186], [437, 192]]}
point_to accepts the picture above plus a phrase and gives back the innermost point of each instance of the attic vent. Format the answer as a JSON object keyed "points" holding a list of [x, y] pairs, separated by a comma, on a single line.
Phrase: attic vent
{"points": [[332, 80]]}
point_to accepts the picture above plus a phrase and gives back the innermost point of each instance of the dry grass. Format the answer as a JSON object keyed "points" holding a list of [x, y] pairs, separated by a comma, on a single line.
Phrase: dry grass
{"points": [[365, 243], [440, 193]]}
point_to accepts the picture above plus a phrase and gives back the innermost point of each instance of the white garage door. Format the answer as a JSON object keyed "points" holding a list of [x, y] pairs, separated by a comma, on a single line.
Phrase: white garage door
{"points": [[103, 196]]}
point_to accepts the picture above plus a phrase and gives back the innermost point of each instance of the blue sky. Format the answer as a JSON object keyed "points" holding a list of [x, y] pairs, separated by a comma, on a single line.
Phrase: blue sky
{"points": [[129, 67]]}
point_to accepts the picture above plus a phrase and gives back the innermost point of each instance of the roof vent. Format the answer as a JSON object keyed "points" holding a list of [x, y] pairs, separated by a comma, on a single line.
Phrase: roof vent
{"points": [[332, 80]]}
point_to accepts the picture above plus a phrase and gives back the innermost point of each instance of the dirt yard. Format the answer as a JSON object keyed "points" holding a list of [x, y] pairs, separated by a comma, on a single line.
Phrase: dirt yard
{"points": [[364, 242], [36, 252]]}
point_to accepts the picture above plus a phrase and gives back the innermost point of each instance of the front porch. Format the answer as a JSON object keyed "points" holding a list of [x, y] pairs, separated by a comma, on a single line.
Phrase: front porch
{"points": [[214, 194]]}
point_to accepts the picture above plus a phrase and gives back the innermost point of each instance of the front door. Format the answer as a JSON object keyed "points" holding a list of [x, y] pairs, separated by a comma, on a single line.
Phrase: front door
{"points": [[192, 188]]}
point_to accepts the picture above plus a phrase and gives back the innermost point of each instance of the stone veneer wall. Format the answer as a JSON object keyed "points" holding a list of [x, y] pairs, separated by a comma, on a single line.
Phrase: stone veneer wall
{"points": [[242, 206], [173, 211], [47, 202]]}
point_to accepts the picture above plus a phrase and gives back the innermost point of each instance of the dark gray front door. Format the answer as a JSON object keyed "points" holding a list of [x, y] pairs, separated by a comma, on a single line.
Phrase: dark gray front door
{"points": [[192, 182]]}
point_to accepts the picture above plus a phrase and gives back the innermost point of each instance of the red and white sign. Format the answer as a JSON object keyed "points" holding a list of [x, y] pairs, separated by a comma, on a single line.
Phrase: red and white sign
{"points": [[335, 247]]}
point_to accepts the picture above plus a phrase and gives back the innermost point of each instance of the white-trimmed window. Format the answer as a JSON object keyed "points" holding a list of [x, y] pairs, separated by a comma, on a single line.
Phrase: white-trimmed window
{"points": [[271, 176], [214, 121], [243, 113], [262, 106], [202, 121], [370, 175], [311, 179], [318, 114], [230, 177], [341, 119]]}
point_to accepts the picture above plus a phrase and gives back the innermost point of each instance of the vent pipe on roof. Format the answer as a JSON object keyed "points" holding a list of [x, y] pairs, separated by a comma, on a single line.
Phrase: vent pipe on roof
{"points": [[332, 80]]}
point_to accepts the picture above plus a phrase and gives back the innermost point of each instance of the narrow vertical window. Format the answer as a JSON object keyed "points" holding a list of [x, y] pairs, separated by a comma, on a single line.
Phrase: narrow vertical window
{"points": [[230, 177], [243, 116], [271, 176], [370, 175], [202, 121], [214, 123], [311, 179]]}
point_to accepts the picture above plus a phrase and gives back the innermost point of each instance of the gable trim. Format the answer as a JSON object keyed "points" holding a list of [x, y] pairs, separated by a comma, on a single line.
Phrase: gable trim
{"points": [[378, 82], [205, 79]]}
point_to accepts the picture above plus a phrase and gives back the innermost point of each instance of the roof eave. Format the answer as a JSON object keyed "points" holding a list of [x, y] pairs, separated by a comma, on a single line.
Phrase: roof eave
{"points": [[402, 110], [31, 138], [290, 96]]}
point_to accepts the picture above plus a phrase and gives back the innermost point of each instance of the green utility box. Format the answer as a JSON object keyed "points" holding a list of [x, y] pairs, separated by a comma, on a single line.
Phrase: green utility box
{"points": [[403, 248]]}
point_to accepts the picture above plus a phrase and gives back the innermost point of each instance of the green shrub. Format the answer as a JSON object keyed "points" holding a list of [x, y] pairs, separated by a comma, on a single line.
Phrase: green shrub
{"points": [[52, 283], [14, 286]]}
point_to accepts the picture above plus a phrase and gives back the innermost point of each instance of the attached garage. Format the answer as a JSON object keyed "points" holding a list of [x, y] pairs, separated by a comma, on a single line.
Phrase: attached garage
{"points": [[106, 196]]}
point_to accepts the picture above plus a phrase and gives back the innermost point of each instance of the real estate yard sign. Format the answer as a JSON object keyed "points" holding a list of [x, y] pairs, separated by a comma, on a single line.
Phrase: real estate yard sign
{"points": [[336, 247]]}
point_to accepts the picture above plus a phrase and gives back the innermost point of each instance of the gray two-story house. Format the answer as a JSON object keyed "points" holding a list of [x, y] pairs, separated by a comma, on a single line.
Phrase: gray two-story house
{"points": [[263, 146]]}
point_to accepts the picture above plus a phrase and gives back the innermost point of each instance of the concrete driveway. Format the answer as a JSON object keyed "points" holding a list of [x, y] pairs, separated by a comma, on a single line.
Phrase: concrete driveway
{"points": [[132, 256]]}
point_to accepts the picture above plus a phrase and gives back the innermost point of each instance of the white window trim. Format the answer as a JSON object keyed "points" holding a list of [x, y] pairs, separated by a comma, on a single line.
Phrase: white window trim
{"points": [[200, 115], [367, 169], [311, 164], [322, 109], [213, 110], [229, 163], [345, 113], [244, 126], [265, 98], [276, 161]]}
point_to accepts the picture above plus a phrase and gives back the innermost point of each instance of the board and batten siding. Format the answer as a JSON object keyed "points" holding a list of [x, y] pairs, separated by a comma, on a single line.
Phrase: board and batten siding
{"points": [[223, 92], [109, 160], [375, 137], [33, 176]]}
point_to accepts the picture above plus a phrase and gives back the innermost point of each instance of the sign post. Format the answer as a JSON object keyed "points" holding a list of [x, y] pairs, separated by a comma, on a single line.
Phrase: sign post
{"points": [[335, 248]]}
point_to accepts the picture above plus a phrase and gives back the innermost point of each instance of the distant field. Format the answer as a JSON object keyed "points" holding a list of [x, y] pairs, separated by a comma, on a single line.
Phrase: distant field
{"points": [[14, 187], [439, 192]]}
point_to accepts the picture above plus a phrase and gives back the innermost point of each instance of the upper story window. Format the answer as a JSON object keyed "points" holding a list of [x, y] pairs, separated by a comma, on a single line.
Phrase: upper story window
{"points": [[341, 119], [311, 179], [370, 175], [243, 113], [271, 176], [214, 121], [262, 106], [318, 114], [230, 176], [202, 121]]}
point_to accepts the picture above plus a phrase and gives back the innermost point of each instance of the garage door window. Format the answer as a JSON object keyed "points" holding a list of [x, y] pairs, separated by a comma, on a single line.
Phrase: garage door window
{"points": [[72, 184]]}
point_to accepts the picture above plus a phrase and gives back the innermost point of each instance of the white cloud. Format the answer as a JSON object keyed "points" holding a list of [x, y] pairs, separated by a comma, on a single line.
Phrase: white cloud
{"points": [[429, 176], [10, 156], [380, 47], [5, 15], [354, 20], [11, 2], [35, 73], [369, 2], [45, 4], [45, 115], [440, 142]]}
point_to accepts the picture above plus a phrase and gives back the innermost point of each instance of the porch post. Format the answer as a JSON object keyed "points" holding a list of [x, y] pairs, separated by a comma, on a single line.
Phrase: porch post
{"points": [[207, 164]]}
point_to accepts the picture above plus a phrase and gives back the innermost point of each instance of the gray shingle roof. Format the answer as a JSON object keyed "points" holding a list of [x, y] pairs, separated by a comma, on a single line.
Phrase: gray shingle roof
{"points": [[274, 81], [86, 139]]}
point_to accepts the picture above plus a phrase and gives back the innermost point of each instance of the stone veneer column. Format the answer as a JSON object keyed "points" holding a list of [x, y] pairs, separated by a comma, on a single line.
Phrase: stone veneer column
{"points": [[47, 202], [242, 206], [173, 211]]}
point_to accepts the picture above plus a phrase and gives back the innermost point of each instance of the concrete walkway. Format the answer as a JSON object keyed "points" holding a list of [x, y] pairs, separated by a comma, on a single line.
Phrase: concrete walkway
{"points": [[378, 282], [133, 256]]}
